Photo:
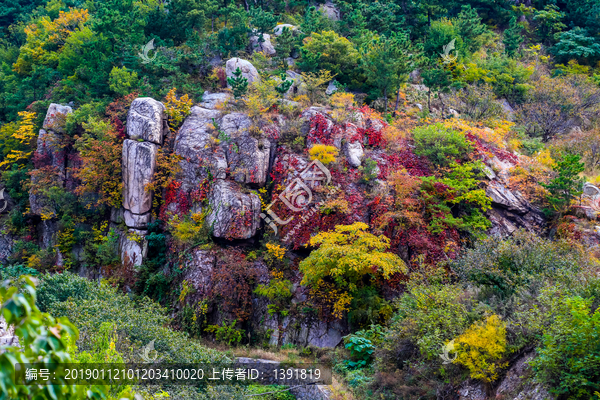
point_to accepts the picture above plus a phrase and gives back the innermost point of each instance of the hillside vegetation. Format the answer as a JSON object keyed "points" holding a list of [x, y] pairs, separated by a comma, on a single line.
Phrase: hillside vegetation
{"points": [[402, 190]]}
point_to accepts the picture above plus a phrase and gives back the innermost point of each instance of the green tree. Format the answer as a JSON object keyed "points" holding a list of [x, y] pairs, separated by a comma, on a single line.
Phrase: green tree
{"points": [[439, 79], [284, 46], [549, 23], [469, 26], [569, 357], [122, 81], [336, 54], [238, 83], [285, 85], [42, 339], [512, 38], [262, 22], [566, 186], [576, 44], [387, 61]]}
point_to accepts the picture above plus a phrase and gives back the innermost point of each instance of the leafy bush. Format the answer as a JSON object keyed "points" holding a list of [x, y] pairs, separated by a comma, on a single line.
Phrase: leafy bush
{"points": [[331, 52], [226, 333], [324, 153], [481, 347], [518, 261], [427, 317], [569, 357], [441, 145], [89, 304]]}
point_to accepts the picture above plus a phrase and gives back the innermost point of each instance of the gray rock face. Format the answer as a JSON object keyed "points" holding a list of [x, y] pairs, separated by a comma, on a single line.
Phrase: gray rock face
{"points": [[278, 30], [248, 70], [515, 384], [56, 117], [330, 11], [331, 88], [234, 215], [134, 246], [510, 211], [212, 100], [247, 156], [146, 120], [6, 246], [192, 143], [138, 221], [200, 269], [354, 153], [266, 46], [139, 163], [49, 147]]}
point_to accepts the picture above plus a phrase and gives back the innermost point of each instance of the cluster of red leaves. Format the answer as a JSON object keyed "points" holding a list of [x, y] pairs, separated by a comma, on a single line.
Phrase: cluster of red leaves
{"points": [[272, 132], [175, 195], [485, 149], [199, 195], [405, 159], [117, 112], [319, 130], [239, 222], [232, 279]]}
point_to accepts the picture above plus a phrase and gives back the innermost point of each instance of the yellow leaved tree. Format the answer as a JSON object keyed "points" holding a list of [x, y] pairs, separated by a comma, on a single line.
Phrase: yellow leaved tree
{"points": [[19, 136], [346, 255], [481, 347]]}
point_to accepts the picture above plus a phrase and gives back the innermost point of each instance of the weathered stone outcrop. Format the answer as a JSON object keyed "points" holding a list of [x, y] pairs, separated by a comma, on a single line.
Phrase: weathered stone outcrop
{"points": [[234, 215], [134, 246], [49, 153], [213, 100], [147, 120], [278, 30], [146, 127], [265, 46], [511, 211], [248, 70], [139, 163], [330, 11], [199, 272]]}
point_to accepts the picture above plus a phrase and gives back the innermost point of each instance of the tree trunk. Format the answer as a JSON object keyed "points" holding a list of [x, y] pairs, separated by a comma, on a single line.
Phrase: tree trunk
{"points": [[386, 98], [429, 100], [397, 102]]}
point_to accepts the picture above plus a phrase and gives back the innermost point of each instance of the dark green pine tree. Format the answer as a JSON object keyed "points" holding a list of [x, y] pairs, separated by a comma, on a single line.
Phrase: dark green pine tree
{"points": [[238, 83], [512, 38], [284, 46], [470, 27], [566, 186], [285, 85], [262, 22]]}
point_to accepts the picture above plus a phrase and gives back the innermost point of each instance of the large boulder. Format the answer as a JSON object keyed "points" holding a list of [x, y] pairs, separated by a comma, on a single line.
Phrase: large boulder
{"points": [[233, 215], [248, 70], [278, 30], [265, 46], [354, 153], [193, 145], [247, 155], [330, 11], [134, 246], [50, 151], [511, 211], [147, 120], [56, 117], [213, 100], [199, 271], [139, 164]]}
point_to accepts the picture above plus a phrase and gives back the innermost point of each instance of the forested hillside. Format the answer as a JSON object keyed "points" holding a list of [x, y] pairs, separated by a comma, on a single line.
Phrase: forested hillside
{"points": [[405, 191]]}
